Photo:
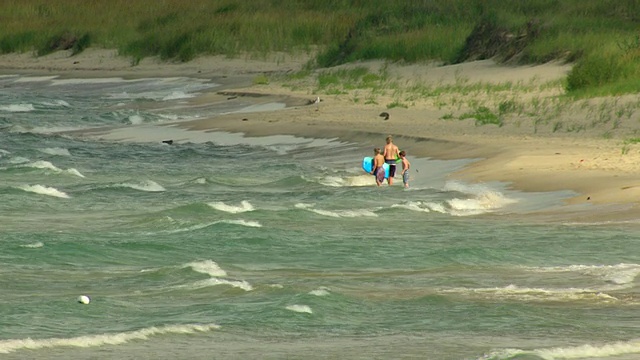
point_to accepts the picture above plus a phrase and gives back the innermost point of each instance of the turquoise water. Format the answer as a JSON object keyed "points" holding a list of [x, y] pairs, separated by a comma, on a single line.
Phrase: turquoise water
{"points": [[222, 246]]}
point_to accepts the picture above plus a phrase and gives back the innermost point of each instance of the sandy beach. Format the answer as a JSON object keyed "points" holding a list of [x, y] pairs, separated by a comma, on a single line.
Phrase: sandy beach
{"points": [[550, 144]]}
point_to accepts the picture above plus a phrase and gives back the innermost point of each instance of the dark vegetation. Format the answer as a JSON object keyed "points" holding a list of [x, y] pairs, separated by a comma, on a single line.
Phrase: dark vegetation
{"points": [[602, 37]]}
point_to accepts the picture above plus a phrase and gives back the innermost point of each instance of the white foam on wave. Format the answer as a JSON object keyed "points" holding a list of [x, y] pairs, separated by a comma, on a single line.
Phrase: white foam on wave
{"points": [[300, 309], [42, 164], [426, 207], [485, 202], [136, 119], [337, 213], [17, 108], [146, 185], [177, 95], [88, 341], [247, 223], [211, 268], [56, 151], [74, 172], [151, 95], [18, 160], [56, 103], [44, 190], [34, 245], [619, 274], [115, 80], [322, 291], [482, 199], [241, 284], [413, 206], [534, 294], [349, 181], [586, 351], [200, 226], [208, 267], [186, 229], [243, 207]]}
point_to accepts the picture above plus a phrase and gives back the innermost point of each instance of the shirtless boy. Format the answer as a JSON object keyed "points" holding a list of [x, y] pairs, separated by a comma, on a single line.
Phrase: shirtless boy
{"points": [[405, 168], [378, 170], [391, 153]]}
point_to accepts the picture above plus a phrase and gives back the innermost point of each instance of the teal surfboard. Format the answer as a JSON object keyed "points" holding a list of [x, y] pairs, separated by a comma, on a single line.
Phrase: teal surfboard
{"points": [[367, 165]]}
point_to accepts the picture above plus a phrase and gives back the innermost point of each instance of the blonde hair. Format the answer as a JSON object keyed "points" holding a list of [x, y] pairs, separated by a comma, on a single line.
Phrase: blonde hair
{"points": [[389, 139]]}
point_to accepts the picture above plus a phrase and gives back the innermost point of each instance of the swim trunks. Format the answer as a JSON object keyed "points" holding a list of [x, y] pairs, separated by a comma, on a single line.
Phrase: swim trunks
{"points": [[379, 174], [392, 167], [405, 177]]}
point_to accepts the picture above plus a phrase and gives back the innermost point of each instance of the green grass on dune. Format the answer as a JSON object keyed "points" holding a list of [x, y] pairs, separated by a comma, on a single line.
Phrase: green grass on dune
{"points": [[591, 33]]}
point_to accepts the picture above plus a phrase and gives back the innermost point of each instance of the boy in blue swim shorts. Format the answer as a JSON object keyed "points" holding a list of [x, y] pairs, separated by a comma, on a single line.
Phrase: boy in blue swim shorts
{"points": [[405, 168]]}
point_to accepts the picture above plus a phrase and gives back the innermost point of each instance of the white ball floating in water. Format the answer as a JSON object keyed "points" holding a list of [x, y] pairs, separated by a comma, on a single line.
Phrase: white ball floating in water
{"points": [[84, 299]]}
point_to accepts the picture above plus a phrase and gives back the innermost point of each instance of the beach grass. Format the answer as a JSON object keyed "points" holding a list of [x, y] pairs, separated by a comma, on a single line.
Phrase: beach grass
{"points": [[600, 36]]}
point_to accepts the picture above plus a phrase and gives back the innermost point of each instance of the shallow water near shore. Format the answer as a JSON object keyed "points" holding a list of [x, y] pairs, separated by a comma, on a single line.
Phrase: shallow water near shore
{"points": [[223, 246]]}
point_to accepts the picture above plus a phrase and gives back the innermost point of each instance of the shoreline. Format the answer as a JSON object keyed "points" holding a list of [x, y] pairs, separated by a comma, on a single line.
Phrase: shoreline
{"points": [[594, 166], [595, 202]]}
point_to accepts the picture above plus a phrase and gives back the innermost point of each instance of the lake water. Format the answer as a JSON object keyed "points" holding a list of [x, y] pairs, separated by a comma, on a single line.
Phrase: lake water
{"points": [[222, 246]]}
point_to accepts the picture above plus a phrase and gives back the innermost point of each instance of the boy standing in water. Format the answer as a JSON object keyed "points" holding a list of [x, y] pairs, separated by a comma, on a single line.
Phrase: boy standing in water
{"points": [[391, 154], [405, 168], [378, 169]]}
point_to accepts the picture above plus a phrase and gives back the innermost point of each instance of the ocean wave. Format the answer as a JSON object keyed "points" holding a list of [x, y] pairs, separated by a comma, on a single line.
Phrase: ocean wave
{"points": [[56, 103], [322, 291], [349, 181], [34, 245], [481, 199], [87, 341], [146, 185], [56, 151], [46, 165], [413, 206], [241, 284], [114, 80], [151, 95], [337, 213], [514, 292], [481, 203], [200, 226], [241, 222], [586, 351], [177, 95], [44, 190], [300, 309], [17, 108], [208, 267], [211, 268], [443, 208], [135, 119], [243, 207], [18, 160], [619, 274]]}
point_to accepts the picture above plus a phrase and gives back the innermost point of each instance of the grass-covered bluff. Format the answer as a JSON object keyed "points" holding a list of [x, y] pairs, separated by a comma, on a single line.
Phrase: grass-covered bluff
{"points": [[601, 37]]}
